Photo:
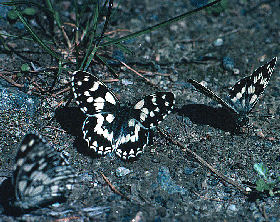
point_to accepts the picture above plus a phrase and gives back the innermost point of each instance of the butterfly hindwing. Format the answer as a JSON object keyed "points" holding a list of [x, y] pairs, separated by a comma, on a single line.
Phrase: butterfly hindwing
{"points": [[97, 134], [41, 176], [131, 145], [91, 94]]}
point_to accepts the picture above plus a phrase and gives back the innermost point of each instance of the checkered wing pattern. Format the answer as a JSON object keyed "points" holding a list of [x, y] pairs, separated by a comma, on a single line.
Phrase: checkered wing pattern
{"points": [[92, 95], [41, 176], [244, 95], [111, 127]]}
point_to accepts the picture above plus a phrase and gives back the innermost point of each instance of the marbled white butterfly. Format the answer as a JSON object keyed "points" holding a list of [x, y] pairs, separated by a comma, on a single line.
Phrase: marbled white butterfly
{"points": [[41, 176], [112, 127], [244, 95]]}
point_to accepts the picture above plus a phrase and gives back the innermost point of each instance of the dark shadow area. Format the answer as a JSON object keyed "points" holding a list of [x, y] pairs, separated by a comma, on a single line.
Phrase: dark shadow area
{"points": [[71, 119], [202, 114]]}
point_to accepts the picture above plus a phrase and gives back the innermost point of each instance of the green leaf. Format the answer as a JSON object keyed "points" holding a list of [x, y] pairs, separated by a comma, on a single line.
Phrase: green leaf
{"points": [[12, 15], [25, 67], [29, 11], [260, 185], [261, 169]]}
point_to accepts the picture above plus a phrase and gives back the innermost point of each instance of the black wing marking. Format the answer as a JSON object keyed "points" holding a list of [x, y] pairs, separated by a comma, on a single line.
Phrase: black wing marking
{"points": [[92, 95]]}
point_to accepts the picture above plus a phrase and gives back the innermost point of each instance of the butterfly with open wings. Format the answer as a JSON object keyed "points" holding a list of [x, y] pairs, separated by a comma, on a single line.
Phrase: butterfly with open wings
{"points": [[113, 127]]}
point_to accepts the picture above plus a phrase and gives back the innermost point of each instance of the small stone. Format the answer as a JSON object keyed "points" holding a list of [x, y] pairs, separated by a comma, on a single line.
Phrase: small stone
{"points": [[260, 133], [126, 82], [218, 42], [173, 78], [122, 171], [228, 63], [232, 207], [236, 71]]}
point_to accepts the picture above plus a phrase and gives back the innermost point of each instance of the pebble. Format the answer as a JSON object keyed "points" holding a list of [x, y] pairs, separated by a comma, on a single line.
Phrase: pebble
{"points": [[228, 63], [126, 82], [236, 71], [232, 207], [166, 183], [11, 99], [189, 171], [122, 171], [218, 42]]}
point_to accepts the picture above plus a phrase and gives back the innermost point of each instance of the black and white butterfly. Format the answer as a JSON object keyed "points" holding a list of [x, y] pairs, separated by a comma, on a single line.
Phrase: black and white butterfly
{"points": [[112, 127], [244, 95], [41, 176]]}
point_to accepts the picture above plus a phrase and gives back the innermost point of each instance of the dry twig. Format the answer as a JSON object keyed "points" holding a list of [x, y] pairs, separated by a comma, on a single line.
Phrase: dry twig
{"points": [[202, 161]]}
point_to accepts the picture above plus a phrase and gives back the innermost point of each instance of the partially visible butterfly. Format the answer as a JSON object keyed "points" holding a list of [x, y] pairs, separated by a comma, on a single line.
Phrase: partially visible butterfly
{"points": [[41, 176], [244, 95], [112, 127]]}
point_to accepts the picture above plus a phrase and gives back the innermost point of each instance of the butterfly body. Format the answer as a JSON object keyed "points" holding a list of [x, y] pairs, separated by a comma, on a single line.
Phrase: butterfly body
{"points": [[244, 95], [112, 127]]}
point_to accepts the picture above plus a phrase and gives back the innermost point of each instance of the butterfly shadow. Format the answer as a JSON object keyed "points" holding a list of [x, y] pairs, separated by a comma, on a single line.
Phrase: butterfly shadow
{"points": [[71, 120], [202, 114]]}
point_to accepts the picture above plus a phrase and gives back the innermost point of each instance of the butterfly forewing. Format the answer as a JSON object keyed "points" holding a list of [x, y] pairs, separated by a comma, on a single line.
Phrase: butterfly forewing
{"points": [[154, 108], [244, 95], [246, 92], [92, 95], [41, 176]]}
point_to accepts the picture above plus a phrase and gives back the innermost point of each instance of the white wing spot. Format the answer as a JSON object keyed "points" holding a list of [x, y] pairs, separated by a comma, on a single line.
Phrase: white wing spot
{"points": [[251, 89], [86, 93], [131, 122], [110, 118], [253, 99], [109, 98], [156, 109], [31, 143], [152, 114], [94, 87], [139, 105], [145, 110], [154, 99], [90, 99], [79, 83]]}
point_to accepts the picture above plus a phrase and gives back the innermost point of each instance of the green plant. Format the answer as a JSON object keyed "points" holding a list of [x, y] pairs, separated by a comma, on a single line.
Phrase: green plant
{"points": [[78, 40], [266, 183]]}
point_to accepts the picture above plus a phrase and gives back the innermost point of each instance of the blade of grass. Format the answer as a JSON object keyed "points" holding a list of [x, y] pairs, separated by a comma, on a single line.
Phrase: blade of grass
{"points": [[35, 37], [55, 13], [93, 35], [103, 60], [158, 26], [91, 55]]}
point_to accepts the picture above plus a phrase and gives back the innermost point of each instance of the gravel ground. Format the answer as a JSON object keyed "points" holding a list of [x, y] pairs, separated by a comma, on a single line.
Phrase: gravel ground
{"points": [[165, 183]]}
